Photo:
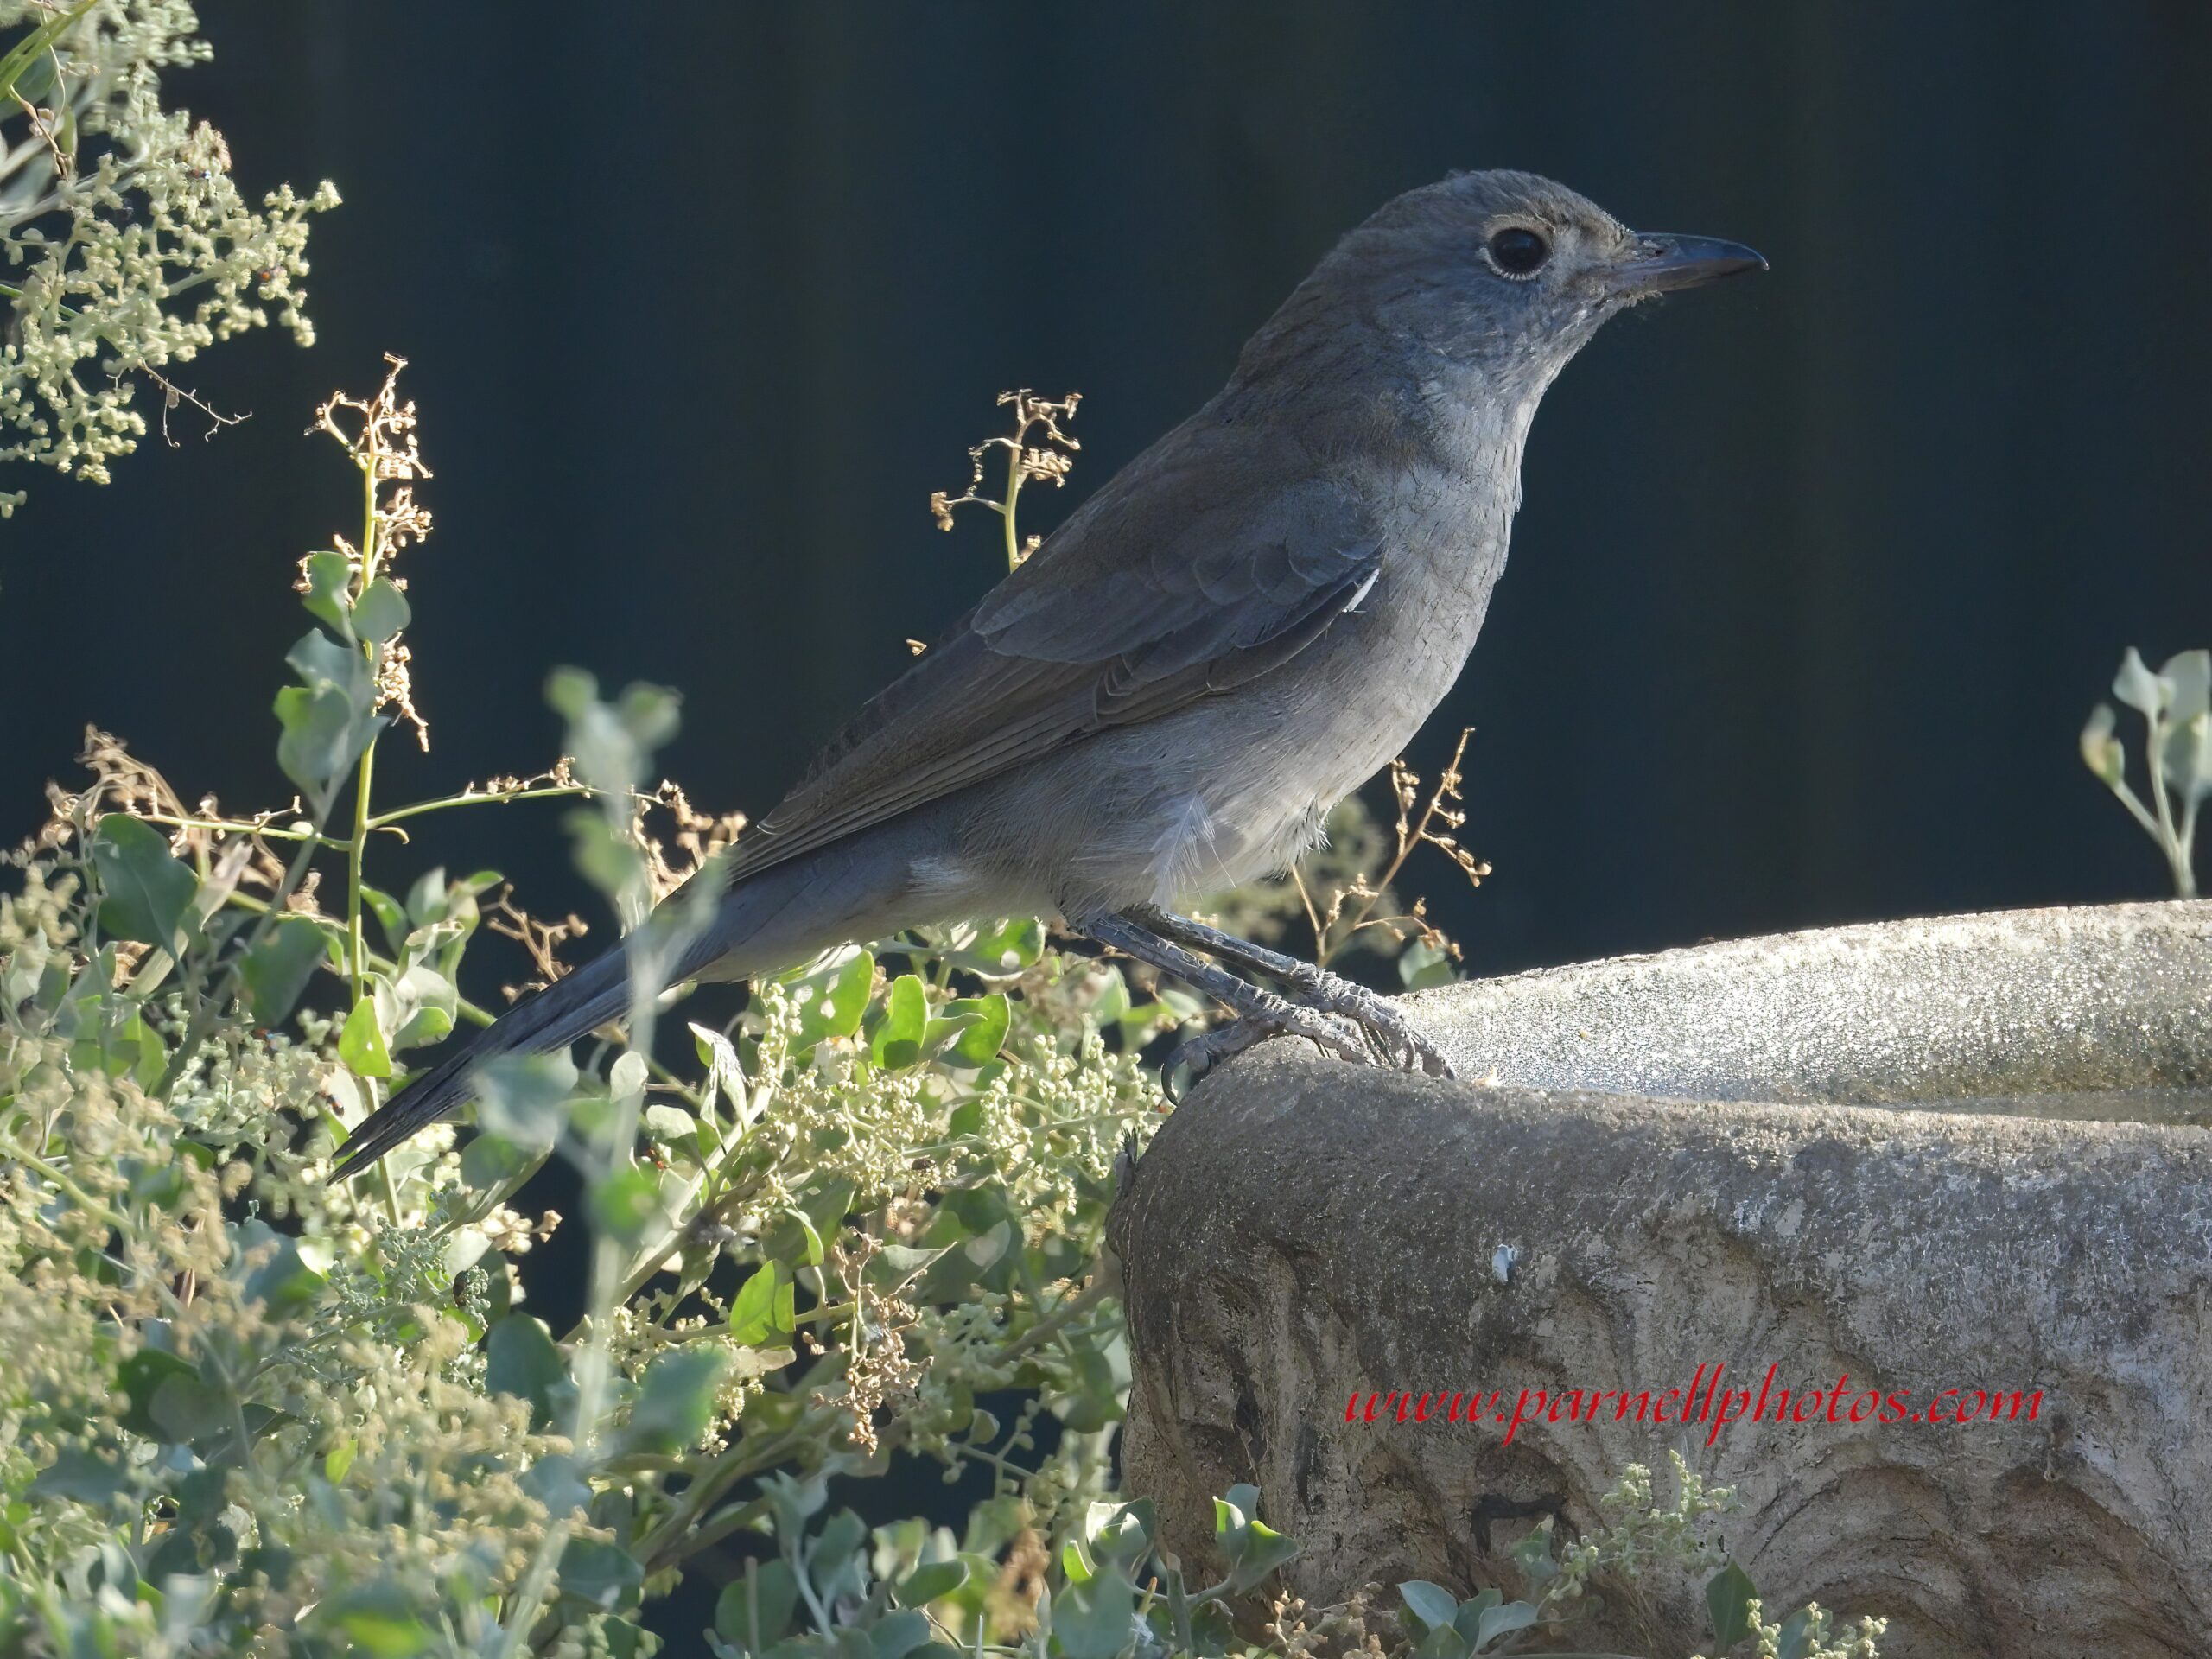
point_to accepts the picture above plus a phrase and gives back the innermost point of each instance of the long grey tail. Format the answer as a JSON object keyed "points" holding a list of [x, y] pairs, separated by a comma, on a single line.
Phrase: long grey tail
{"points": [[570, 1008], [856, 889]]}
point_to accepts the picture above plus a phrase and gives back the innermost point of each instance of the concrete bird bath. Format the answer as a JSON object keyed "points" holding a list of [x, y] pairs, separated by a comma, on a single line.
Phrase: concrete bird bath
{"points": [[1969, 1153]]}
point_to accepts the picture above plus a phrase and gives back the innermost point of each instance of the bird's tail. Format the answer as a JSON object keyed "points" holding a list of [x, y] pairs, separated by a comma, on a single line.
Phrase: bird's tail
{"points": [[859, 889], [568, 1009]]}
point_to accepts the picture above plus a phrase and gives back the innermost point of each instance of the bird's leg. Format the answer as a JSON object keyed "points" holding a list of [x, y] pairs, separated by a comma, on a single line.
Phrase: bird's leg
{"points": [[1402, 1042], [1266, 1012]]}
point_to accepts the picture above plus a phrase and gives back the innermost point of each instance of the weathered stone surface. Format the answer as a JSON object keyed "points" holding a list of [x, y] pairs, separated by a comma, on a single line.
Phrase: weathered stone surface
{"points": [[1302, 1229]]}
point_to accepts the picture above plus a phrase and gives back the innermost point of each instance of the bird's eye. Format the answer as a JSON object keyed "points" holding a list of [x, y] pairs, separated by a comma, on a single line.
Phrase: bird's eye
{"points": [[1518, 251]]}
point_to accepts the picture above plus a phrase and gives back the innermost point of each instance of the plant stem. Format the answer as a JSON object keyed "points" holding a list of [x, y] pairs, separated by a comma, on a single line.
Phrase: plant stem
{"points": [[230, 826], [356, 942], [1014, 476], [357, 948], [39, 40], [2154, 760], [481, 798]]}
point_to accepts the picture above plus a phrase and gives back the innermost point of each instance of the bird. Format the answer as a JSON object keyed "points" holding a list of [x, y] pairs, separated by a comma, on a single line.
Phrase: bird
{"points": [[1232, 635]]}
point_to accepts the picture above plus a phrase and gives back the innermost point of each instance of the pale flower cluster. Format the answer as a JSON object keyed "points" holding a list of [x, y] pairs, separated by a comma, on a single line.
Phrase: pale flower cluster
{"points": [[129, 245]]}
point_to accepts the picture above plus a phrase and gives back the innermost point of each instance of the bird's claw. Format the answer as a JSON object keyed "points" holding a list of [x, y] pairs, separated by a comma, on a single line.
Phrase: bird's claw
{"points": [[1202, 1053], [1397, 1041], [1345, 1019]]}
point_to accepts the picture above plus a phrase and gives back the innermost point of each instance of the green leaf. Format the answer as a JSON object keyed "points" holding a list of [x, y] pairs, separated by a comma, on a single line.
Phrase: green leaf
{"points": [[1468, 1620], [759, 1604], [276, 971], [650, 714], [2189, 758], [381, 612], [605, 857], [831, 998], [376, 1621], [1121, 1532], [985, 1034], [810, 1234], [611, 742], [627, 1204], [273, 1273], [837, 1560], [2103, 754], [520, 1359], [570, 692], [328, 718], [362, 1044], [675, 1402], [490, 1159], [1264, 1551], [1113, 1001], [424, 1003], [894, 1267], [930, 1582], [2188, 755], [141, 1375], [2148, 694], [898, 1041], [1422, 965], [603, 1575], [1074, 1560], [329, 577], [424, 1027], [391, 914], [1502, 1621], [2189, 672], [522, 1097], [896, 1635], [1431, 1603], [28, 52], [673, 1128], [83, 1474], [1533, 1555], [145, 894], [188, 1409], [1095, 1619], [557, 1481], [725, 1073], [1728, 1596], [992, 1524], [1004, 947], [763, 1309]]}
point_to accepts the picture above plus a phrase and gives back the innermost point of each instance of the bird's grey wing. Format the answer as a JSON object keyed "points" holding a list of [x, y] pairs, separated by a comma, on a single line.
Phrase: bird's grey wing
{"points": [[1145, 602]]}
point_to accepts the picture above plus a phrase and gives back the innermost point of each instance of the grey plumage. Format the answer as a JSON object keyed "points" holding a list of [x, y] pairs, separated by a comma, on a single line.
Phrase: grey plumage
{"points": [[1241, 626]]}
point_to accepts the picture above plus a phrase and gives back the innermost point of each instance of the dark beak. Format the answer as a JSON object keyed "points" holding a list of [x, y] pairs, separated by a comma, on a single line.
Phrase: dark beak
{"points": [[1663, 263]]}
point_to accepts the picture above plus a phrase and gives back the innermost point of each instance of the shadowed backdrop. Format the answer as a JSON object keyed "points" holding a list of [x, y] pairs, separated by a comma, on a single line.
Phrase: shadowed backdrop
{"points": [[1817, 576]]}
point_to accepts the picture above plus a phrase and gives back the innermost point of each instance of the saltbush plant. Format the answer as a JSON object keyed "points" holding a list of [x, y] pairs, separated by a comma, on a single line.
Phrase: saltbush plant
{"points": [[130, 248], [2176, 706], [246, 1411]]}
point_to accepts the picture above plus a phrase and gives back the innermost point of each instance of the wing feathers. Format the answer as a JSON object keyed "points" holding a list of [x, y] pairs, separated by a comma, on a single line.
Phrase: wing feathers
{"points": [[1136, 608]]}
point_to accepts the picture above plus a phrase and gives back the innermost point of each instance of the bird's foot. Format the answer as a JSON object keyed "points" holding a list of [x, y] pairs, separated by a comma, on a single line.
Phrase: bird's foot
{"points": [[1202, 1053], [1396, 1040]]}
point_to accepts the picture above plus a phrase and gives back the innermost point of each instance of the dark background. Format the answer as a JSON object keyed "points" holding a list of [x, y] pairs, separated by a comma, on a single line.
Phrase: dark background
{"points": [[1818, 575]]}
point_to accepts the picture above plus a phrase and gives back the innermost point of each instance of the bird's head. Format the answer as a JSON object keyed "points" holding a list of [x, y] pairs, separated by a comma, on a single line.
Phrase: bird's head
{"points": [[1508, 274]]}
